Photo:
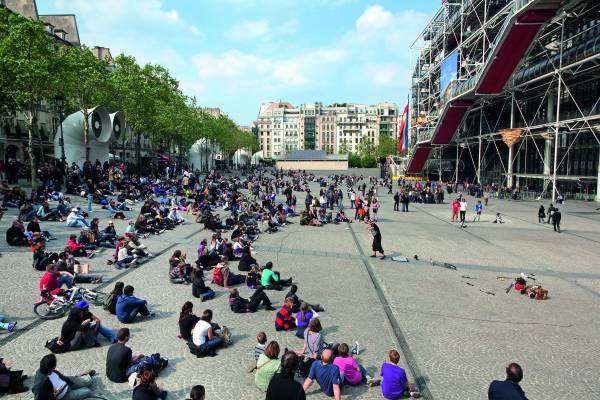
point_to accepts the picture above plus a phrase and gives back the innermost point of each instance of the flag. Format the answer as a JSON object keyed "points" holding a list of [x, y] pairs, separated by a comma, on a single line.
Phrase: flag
{"points": [[403, 131]]}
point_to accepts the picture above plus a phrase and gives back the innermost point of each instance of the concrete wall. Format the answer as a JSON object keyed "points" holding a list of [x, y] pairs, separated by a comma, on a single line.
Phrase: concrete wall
{"points": [[313, 165]]}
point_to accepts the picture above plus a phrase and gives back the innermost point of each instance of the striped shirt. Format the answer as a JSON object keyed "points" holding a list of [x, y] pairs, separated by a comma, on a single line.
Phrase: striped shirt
{"points": [[258, 350]]}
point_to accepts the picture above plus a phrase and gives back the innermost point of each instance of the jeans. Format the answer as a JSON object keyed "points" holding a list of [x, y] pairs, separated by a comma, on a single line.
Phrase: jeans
{"points": [[142, 310], [213, 343], [80, 388], [90, 198], [78, 223], [107, 333], [65, 280]]}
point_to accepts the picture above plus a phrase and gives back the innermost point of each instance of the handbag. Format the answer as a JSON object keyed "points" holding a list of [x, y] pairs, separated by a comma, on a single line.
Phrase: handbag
{"points": [[305, 365]]}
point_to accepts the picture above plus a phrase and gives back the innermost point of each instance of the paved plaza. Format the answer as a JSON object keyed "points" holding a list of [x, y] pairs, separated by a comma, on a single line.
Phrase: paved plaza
{"points": [[457, 329]]}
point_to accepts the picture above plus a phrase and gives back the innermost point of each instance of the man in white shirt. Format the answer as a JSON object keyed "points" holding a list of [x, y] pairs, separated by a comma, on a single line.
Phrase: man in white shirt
{"points": [[463, 211], [203, 335], [51, 384]]}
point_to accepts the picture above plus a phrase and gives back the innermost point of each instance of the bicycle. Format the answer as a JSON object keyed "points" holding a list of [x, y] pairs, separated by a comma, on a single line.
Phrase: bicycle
{"points": [[55, 306]]}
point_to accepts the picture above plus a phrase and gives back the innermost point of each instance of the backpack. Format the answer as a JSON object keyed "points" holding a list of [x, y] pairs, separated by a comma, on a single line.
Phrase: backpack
{"points": [[54, 346], [217, 277], [110, 303]]}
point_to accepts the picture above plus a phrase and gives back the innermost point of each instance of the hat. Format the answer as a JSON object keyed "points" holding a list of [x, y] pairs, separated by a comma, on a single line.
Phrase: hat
{"points": [[82, 305], [110, 222], [74, 209]]}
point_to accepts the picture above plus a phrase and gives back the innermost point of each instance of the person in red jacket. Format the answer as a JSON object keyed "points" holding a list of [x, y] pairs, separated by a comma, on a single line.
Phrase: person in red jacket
{"points": [[77, 249], [455, 209], [284, 321], [52, 280]]}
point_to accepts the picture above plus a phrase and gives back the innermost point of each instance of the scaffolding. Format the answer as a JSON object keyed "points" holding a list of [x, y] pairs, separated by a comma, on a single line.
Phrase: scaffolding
{"points": [[531, 68]]}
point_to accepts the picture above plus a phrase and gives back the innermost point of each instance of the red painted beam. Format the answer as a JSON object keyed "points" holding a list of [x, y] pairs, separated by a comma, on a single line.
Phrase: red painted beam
{"points": [[419, 158], [450, 121], [513, 48]]}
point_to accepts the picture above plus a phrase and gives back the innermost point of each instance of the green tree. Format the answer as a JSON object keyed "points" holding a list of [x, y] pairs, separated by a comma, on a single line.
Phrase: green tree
{"points": [[85, 82], [366, 147], [29, 70], [387, 146]]}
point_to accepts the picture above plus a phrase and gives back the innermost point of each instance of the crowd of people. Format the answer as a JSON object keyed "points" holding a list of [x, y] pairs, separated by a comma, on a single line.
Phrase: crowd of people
{"points": [[250, 208]]}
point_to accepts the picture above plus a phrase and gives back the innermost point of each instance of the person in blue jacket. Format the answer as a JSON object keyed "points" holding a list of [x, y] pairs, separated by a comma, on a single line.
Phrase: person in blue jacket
{"points": [[129, 306]]}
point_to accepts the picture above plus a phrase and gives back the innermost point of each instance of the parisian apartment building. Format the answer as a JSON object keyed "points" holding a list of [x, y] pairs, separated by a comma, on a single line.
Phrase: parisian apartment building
{"points": [[282, 127]]}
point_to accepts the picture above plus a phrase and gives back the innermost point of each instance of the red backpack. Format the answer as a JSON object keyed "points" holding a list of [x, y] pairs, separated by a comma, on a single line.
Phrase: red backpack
{"points": [[217, 278]]}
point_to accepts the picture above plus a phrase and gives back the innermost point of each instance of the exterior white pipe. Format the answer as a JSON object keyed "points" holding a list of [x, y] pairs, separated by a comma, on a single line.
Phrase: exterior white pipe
{"points": [[99, 136], [117, 122]]}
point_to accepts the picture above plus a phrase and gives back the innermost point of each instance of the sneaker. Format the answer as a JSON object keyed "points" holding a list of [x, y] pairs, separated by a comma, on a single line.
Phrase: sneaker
{"points": [[11, 326], [355, 349], [373, 381]]}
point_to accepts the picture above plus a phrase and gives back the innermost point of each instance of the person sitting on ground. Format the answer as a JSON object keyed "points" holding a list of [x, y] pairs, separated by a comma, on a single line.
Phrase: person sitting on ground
{"points": [[15, 235], [49, 384], [267, 365], [45, 213], [34, 227], [509, 388], [147, 388], [204, 337], [76, 332], [282, 384], [77, 249], [94, 322], [253, 277], [42, 257], [197, 393], [284, 321], [68, 264], [175, 216], [352, 371], [187, 321], [76, 220], [136, 247], [238, 304], [298, 302], [326, 374], [313, 340], [303, 318], [110, 303], [122, 362], [394, 384], [498, 219], [179, 270], [128, 306], [261, 345], [199, 288], [52, 280], [271, 280], [222, 276], [246, 260], [124, 259], [11, 382]]}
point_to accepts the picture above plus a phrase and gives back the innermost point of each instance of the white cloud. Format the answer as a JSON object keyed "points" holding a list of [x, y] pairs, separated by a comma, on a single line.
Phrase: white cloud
{"points": [[382, 75], [289, 27], [374, 18], [172, 16], [194, 29], [248, 30]]}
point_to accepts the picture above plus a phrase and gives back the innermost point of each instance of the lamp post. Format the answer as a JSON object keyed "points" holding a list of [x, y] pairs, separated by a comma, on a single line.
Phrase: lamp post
{"points": [[59, 102]]}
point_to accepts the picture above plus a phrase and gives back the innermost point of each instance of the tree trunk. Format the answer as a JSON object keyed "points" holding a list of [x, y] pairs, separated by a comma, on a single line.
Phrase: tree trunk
{"points": [[31, 155], [138, 152]]}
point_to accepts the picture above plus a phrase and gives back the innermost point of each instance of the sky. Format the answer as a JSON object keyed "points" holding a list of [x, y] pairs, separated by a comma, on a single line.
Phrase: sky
{"points": [[237, 54]]}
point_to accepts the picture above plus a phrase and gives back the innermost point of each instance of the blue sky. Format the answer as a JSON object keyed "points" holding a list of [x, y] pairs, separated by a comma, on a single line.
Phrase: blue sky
{"points": [[237, 54]]}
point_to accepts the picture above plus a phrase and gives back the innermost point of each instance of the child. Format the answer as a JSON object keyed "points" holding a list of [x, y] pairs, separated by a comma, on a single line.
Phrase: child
{"points": [[259, 349], [253, 278], [478, 208]]}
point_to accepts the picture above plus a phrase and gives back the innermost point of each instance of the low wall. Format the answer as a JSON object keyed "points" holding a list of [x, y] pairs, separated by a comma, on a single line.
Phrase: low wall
{"points": [[313, 165]]}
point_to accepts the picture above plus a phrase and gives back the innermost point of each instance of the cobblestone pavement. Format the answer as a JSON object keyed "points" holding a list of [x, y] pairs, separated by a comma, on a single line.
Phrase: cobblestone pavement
{"points": [[457, 338]]}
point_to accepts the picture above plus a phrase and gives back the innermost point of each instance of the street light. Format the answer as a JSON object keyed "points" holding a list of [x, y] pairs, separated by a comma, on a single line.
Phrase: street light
{"points": [[59, 100]]}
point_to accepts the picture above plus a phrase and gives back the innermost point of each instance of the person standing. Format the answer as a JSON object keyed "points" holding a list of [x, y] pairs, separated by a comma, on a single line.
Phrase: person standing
{"points": [[541, 214], [455, 208], [550, 212], [376, 247], [397, 201], [463, 211], [478, 208], [556, 220], [509, 388]]}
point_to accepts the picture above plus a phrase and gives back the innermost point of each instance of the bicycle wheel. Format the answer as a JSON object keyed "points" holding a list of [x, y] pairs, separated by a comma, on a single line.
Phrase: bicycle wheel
{"points": [[50, 311], [96, 298]]}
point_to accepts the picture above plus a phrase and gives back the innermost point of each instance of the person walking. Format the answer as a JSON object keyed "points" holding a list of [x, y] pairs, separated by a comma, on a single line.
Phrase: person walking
{"points": [[397, 201], [550, 213], [541, 214], [463, 211], [478, 209], [556, 217]]}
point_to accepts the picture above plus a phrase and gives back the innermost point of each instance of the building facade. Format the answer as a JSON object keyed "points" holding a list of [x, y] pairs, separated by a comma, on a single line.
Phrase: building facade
{"points": [[508, 92], [281, 127]]}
